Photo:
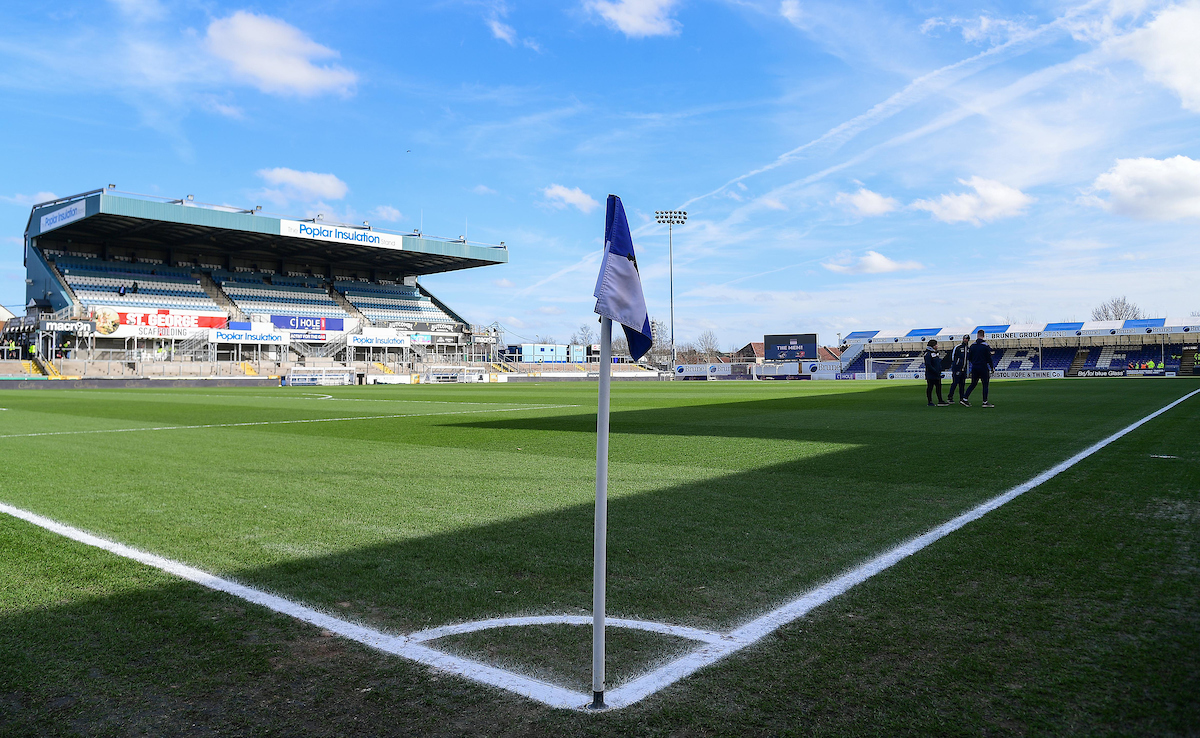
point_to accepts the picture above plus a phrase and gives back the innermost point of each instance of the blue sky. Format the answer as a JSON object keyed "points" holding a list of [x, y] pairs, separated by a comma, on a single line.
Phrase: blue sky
{"points": [[870, 166]]}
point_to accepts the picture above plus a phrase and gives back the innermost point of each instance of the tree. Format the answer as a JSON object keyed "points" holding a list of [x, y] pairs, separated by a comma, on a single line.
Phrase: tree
{"points": [[660, 350], [1196, 313], [584, 336], [1117, 308], [708, 346], [543, 339]]}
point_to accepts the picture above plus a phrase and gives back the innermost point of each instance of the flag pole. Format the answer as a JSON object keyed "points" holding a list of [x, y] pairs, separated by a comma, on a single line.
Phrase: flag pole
{"points": [[600, 544]]}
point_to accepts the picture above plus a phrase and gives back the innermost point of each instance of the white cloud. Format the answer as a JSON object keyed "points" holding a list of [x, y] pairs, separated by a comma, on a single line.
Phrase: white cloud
{"points": [[503, 31], [983, 28], [310, 187], [504, 284], [1167, 48], [637, 18], [28, 200], [990, 201], [483, 190], [866, 203], [871, 262], [275, 56], [560, 197], [1153, 189], [140, 10], [550, 310], [386, 213], [790, 9]]}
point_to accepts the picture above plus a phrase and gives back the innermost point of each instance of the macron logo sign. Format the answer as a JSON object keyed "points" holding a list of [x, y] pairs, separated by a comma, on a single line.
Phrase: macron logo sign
{"points": [[63, 216], [322, 232]]}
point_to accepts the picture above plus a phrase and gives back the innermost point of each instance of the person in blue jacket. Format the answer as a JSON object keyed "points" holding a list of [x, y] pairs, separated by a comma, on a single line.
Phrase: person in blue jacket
{"points": [[933, 374], [982, 361], [958, 368]]}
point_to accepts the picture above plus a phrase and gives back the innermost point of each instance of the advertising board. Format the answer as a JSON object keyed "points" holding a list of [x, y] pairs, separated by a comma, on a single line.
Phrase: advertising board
{"points": [[64, 215], [298, 323], [314, 231], [379, 337], [790, 347], [78, 327], [1101, 372], [218, 335], [130, 323], [1029, 374]]}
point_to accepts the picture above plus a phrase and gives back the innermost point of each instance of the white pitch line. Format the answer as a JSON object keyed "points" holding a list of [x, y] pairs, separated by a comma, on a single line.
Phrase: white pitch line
{"points": [[304, 396], [717, 646], [680, 631], [274, 422], [399, 645], [754, 630]]}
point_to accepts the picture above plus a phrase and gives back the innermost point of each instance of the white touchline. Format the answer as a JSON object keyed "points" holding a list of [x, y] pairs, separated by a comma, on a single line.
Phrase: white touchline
{"points": [[716, 645], [302, 396], [275, 422]]}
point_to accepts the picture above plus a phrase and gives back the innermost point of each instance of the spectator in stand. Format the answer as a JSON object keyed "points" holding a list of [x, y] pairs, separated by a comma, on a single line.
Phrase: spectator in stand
{"points": [[958, 367], [982, 360], [121, 290], [933, 374]]}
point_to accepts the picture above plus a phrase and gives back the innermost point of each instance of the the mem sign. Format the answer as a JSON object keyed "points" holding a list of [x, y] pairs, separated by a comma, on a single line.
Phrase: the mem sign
{"points": [[790, 347]]}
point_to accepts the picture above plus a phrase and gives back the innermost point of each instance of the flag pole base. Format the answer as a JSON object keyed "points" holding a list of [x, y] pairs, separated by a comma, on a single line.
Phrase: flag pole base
{"points": [[597, 702]]}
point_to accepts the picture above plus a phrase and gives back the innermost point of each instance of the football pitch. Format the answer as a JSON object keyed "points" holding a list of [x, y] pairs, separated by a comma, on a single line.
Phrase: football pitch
{"points": [[1071, 609]]}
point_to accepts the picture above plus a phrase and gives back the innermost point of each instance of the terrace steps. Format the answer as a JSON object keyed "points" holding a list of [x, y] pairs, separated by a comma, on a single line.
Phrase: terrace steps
{"points": [[1187, 362], [218, 296], [1077, 363], [346, 305], [382, 367]]}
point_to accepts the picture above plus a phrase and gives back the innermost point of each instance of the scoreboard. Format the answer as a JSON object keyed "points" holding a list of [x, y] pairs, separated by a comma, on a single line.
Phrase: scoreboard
{"points": [[790, 347]]}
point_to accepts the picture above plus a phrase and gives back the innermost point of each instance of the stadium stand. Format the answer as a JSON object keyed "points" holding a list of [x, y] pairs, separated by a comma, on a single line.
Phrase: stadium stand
{"points": [[383, 303], [258, 293], [1147, 357], [96, 282]]}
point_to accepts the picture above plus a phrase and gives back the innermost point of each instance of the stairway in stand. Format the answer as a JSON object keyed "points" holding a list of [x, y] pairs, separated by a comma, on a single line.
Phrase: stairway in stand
{"points": [[1077, 363], [1187, 363]]}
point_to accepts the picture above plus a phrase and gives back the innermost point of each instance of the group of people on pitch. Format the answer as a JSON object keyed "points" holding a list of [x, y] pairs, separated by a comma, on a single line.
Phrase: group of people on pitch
{"points": [[978, 357]]}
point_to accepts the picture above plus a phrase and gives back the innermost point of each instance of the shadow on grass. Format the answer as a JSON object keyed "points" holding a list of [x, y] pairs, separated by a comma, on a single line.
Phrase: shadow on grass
{"points": [[1071, 611]]}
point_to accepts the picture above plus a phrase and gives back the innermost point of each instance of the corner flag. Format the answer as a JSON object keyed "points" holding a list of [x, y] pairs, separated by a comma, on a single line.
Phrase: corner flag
{"points": [[618, 298], [619, 286]]}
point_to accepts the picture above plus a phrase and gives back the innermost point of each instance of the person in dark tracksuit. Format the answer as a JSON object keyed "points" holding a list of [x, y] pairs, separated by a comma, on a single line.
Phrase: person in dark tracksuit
{"points": [[958, 368], [933, 374], [981, 358]]}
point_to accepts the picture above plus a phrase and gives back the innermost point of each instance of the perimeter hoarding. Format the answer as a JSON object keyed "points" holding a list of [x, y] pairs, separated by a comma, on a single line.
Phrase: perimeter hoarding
{"points": [[122, 322], [790, 347]]}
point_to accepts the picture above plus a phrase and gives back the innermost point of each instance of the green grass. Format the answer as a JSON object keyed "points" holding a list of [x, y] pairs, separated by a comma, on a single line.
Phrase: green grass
{"points": [[1070, 610]]}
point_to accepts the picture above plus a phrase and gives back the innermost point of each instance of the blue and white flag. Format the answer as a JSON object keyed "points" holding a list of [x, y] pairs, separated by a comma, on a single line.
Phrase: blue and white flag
{"points": [[619, 287]]}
